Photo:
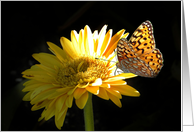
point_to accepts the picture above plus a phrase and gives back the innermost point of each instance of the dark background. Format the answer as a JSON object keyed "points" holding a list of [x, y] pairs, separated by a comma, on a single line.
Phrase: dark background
{"points": [[25, 28]]}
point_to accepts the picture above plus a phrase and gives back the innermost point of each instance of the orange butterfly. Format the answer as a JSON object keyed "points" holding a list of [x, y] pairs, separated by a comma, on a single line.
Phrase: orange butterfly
{"points": [[139, 55]]}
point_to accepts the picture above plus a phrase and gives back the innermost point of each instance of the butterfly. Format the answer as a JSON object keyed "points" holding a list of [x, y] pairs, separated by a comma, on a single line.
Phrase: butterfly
{"points": [[139, 55]]}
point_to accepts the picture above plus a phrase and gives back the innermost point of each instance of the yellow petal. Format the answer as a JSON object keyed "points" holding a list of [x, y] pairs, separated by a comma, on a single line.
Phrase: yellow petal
{"points": [[115, 100], [75, 42], [68, 47], [41, 77], [42, 115], [119, 82], [95, 36], [69, 101], [71, 91], [105, 85], [126, 90], [103, 94], [64, 90], [114, 92], [61, 55], [50, 112], [81, 41], [35, 72], [40, 89], [58, 114], [59, 122], [114, 78], [27, 96], [81, 102], [34, 68], [52, 104], [106, 41], [30, 82], [88, 41], [113, 43], [97, 82], [32, 87], [119, 77], [40, 105], [58, 93], [112, 56], [60, 102], [46, 59], [82, 85], [48, 70], [42, 96], [79, 92], [126, 75], [101, 39], [93, 89], [125, 35]]}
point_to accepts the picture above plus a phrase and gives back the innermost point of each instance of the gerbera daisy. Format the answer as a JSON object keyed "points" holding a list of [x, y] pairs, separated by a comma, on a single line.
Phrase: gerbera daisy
{"points": [[84, 66]]}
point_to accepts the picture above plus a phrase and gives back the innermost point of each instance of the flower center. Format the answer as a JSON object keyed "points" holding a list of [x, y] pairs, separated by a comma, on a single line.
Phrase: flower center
{"points": [[82, 71]]}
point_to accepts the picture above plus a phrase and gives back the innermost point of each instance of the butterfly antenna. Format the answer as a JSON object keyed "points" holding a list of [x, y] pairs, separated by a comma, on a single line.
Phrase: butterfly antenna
{"points": [[106, 60]]}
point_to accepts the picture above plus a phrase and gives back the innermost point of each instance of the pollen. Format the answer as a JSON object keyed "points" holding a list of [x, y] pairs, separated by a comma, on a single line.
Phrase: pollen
{"points": [[82, 71]]}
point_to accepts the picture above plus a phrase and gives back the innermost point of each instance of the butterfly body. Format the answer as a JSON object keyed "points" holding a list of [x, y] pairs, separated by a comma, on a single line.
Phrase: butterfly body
{"points": [[139, 55]]}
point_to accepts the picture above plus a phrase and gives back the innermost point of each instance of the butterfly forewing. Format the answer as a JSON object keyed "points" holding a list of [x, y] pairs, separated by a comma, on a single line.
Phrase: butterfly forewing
{"points": [[139, 55], [142, 39]]}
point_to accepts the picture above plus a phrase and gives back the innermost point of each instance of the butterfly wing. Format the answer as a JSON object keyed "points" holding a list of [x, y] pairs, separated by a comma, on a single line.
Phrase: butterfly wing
{"points": [[142, 40]]}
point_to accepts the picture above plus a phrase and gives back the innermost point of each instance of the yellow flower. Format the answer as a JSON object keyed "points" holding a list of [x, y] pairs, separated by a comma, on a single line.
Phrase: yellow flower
{"points": [[83, 65]]}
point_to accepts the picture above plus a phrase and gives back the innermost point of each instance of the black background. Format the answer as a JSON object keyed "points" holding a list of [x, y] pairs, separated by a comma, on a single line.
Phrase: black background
{"points": [[26, 26]]}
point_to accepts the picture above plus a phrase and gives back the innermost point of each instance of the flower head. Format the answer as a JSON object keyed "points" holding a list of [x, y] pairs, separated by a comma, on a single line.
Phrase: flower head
{"points": [[83, 65]]}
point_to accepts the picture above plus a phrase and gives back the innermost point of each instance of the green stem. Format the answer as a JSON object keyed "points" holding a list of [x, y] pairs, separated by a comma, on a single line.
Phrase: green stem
{"points": [[88, 114]]}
